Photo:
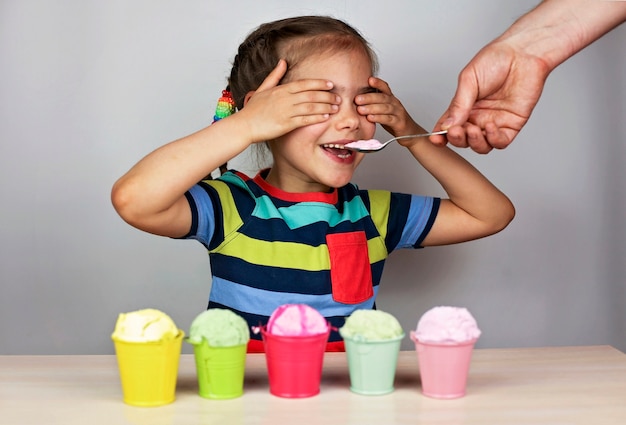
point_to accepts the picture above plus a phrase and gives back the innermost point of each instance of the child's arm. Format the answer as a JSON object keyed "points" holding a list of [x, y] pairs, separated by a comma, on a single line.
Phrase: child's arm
{"points": [[475, 208], [151, 196]]}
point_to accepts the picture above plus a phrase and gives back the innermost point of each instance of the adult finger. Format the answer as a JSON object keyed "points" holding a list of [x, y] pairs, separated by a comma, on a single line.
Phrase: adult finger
{"points": [[476, 139], [459, 109], [499, 138], [463, 100], [456, 137]]}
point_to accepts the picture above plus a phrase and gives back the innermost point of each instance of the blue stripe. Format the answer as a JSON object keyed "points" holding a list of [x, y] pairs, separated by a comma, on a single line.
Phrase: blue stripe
{"points": [[205, 225], [277, 230], [313, 234], [421, 213], [266, 277], [262, 302], [429, 223], [291, 280], [193, 228]]}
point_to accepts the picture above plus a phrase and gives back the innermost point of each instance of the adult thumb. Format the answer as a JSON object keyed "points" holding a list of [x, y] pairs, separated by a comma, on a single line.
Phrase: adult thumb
{"points": [[459, 109]]}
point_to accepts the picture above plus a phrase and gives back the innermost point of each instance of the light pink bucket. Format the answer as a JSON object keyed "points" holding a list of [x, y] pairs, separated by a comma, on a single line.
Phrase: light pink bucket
{"points": [[444, 367]]}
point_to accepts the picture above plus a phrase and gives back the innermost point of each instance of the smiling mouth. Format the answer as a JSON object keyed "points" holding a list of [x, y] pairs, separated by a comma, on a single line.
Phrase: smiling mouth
{"points": [[338, 150]]}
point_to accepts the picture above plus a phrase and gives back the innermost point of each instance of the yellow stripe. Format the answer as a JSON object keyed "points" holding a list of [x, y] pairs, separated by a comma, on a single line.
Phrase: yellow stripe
{"points": [[376, 249], [277, 254], [380, 202], [231, 219], [290, 255]]}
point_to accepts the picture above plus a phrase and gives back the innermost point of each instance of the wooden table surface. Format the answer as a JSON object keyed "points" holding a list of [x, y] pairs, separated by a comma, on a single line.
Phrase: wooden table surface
{"points": [[553, 385]]}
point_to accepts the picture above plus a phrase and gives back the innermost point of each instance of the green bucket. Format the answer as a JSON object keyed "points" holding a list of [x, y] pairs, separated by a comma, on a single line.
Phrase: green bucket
{"points": [[220, 370], [372, 365]]}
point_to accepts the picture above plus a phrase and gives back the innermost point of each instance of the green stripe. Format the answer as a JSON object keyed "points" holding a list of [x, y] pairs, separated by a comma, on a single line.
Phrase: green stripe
{"points": [[305, 213], [235, 180]]}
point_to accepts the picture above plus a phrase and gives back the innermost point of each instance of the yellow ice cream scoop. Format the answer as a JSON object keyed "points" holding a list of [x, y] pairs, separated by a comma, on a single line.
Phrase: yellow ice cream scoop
{"points": [[147, 325]]}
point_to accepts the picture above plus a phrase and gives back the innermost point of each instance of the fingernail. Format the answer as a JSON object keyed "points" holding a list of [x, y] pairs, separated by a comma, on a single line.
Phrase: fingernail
{"points": [[447, 124]]}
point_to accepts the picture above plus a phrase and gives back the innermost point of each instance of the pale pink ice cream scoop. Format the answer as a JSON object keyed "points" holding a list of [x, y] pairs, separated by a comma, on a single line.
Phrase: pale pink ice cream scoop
{"points": [[296, 320], [364, 144], [446, 324]]}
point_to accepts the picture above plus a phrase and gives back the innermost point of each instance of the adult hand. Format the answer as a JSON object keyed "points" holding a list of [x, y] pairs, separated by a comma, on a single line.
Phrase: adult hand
{"points": [[497, 91], [500, 86]]}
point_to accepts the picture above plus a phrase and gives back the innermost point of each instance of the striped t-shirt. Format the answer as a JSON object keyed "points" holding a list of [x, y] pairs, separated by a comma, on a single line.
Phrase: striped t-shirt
{"points": [[268, 247]]}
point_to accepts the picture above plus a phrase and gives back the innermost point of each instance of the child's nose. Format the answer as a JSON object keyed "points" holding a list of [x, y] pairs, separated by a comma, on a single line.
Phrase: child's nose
{"points": [[347, 116]]}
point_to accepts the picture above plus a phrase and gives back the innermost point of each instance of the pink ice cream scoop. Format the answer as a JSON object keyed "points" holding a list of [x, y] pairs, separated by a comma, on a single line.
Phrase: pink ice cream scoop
{"points": [[446, 325], [296, 320], [371, 144]]}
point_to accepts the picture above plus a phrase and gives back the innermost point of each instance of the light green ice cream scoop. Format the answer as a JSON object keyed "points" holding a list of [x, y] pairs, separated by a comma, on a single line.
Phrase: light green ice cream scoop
{"points": [[371, 325], [220, 328]]}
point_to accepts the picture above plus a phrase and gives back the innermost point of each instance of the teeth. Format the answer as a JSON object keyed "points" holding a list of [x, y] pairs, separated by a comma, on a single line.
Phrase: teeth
{"points": [[348, 154]]}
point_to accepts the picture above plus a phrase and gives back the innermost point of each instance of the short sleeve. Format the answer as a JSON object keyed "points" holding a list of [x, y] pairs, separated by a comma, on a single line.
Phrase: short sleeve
{"points": [[421, 216], [202, 213]]}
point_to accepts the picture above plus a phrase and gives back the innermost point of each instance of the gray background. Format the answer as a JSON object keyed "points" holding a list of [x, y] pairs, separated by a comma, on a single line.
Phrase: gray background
{"points": [[89, 87]]}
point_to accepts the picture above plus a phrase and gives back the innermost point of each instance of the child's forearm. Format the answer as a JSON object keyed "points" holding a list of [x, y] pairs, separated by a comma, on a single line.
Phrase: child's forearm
{"points": [[146, 196], [476, 208]]}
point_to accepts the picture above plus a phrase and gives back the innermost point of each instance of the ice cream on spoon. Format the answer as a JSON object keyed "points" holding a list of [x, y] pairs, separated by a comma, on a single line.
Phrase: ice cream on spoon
{"points": [[373, 145]]}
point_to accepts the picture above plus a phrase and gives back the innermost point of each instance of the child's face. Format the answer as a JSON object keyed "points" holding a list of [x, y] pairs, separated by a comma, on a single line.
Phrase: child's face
{"points": [[302, 162]]}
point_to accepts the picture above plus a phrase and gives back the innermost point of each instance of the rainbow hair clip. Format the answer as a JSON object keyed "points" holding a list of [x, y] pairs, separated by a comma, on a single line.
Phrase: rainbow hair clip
{"points": [[225, 106]]}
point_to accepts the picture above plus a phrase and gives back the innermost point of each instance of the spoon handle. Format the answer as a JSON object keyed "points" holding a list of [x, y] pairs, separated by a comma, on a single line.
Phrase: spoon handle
{"points": [[410, 136]]}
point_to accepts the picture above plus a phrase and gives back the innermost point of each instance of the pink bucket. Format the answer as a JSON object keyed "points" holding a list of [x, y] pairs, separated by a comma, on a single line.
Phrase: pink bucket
{"points": [[294, 363], [444, 367]]}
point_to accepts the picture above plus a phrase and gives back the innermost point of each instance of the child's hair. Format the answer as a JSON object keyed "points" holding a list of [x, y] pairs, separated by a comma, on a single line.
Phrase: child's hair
{"points": [[292, 39]]}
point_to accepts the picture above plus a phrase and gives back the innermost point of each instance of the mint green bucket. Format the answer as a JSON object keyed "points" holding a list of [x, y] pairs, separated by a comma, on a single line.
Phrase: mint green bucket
{"points": [[372, 365]]}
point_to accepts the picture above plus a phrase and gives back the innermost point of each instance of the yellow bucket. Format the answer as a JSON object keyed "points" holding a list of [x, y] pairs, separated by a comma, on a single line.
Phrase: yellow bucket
{"points": [[149, 370]]}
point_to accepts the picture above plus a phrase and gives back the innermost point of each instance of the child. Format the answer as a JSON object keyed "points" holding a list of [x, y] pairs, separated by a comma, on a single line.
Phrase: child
{"points": [[300, 232]]}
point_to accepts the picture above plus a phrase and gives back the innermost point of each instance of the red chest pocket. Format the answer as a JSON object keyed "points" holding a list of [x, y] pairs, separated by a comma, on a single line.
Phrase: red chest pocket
{"points": [[350, 271]]}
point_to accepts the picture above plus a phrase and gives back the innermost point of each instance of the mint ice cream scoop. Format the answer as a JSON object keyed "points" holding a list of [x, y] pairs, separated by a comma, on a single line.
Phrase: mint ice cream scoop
{"points": [[220, 328], [371, 325]]}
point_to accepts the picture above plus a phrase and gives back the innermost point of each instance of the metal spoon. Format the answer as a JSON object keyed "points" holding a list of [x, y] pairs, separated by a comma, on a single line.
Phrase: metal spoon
{"points": [[377, 147]]}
